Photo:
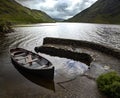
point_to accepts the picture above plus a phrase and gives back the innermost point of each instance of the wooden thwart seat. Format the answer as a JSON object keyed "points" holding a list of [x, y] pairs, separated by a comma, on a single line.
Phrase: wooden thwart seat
{"points": [[29, 58]]}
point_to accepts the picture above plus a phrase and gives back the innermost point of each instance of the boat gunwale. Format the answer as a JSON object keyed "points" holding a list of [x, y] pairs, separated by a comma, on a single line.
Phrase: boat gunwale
{"points": [[32, 69]]}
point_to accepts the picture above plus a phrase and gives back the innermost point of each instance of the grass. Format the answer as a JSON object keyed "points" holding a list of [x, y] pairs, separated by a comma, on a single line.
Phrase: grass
{"points": [[109, 84], [17, 14]]}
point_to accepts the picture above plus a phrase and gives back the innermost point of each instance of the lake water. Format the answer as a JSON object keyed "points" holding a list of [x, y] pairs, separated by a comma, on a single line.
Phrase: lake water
{"points": [[14, 84]]}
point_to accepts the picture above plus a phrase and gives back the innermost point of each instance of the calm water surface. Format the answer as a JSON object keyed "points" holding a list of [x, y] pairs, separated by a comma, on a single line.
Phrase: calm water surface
{"points": [[15, 84], [28, 37]]}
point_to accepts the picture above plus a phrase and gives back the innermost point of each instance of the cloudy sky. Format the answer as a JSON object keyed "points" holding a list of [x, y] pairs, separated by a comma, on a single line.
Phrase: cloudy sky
{"points": [[62, 9]]}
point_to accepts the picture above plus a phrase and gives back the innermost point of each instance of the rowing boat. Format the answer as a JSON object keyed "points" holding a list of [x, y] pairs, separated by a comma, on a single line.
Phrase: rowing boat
{"points": [[32, 63]]}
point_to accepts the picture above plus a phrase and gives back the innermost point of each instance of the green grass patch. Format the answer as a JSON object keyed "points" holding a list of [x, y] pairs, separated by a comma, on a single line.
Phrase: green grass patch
{"points": [[18, 14], [109, 84]]}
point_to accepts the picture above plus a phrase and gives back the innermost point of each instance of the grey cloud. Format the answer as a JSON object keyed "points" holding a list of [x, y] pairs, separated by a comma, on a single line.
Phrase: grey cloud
{"points": [[61, 9], [31, 0], [64, 13], [29, 3]]}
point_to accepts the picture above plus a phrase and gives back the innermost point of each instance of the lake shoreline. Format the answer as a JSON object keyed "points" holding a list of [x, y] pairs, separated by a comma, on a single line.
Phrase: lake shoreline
{"points": [[14, 84]]}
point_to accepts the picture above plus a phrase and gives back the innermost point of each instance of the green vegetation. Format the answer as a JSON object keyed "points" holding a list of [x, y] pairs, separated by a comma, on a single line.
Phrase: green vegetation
{"points": [[5, 27], [103, 11], [17, 14], [109, 84]]}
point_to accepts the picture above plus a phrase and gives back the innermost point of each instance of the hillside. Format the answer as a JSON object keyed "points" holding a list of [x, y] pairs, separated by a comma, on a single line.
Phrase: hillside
{"points": [[102, 11], [12, 11]]}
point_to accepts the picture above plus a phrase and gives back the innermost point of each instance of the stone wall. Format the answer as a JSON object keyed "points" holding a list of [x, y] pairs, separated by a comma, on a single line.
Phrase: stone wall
{"points": [[83, 57], [81, 43]]}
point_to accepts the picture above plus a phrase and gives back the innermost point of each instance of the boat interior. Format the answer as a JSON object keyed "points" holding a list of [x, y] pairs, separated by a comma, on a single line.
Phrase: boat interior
{"points": [[30, 60]]}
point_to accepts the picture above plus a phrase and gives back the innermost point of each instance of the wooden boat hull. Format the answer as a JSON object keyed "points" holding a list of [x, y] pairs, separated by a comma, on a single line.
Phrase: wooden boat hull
{"points": [[47, 73]]}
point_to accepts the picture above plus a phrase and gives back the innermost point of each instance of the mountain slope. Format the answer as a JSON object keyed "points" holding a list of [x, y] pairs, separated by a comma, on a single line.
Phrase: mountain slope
{"points": [[12, 11], [102, 11]]}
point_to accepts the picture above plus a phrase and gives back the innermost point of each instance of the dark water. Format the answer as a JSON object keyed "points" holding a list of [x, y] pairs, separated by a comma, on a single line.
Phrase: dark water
{"points": [[16, 84]]}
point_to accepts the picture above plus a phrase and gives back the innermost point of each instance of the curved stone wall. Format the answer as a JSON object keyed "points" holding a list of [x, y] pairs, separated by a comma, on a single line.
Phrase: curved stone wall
{"points": [[83, 57], [81, 43]]}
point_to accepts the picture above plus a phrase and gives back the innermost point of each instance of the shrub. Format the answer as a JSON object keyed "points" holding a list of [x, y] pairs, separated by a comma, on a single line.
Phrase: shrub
{"points": [[109, 84], [6, 27]]}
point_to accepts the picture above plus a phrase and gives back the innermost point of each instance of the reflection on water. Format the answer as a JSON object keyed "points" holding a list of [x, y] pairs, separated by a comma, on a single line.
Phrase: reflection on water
{"points": [[75, 67], [72, 69], [14, 84], [65, 70], [49, 84]]}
